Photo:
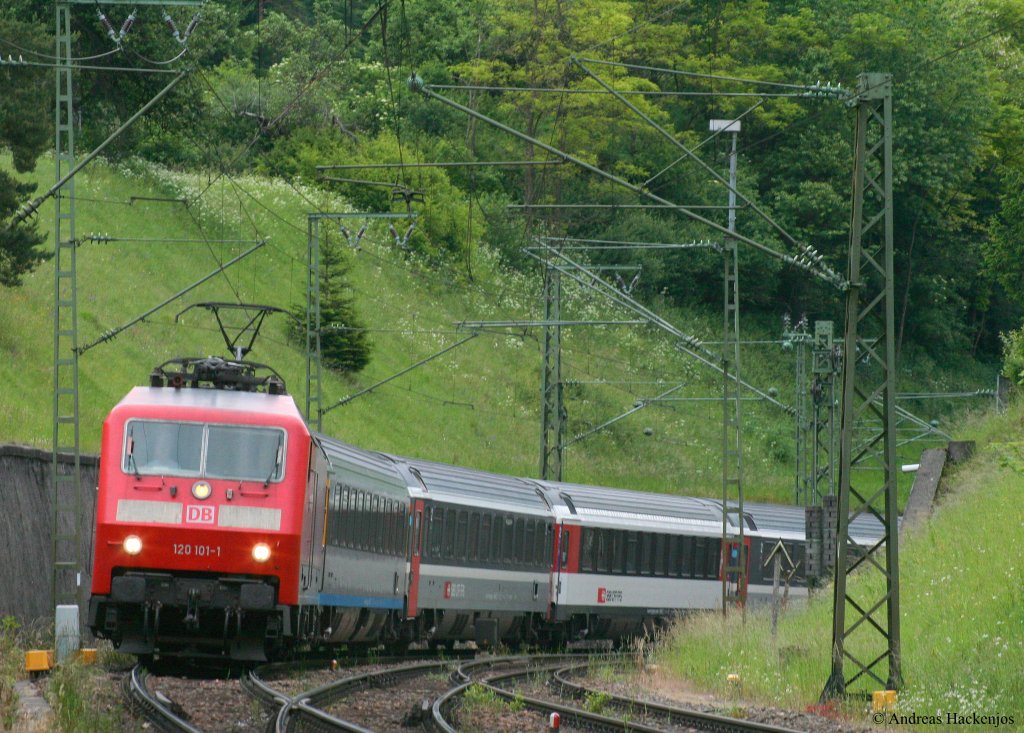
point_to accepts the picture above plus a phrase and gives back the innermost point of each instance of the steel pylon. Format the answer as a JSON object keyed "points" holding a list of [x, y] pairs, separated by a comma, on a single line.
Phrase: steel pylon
{"points": [[866, 628], [66, 481], [552, 396]]}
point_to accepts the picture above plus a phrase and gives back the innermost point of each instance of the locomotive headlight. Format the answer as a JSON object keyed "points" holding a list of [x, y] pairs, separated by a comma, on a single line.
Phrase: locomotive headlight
{"points": [[261, 552], [132, 544], [201, 490]]}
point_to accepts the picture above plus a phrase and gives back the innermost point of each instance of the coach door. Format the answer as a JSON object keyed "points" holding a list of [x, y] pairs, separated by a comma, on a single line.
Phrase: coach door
{"points": [[415, 555], [564, 537]]}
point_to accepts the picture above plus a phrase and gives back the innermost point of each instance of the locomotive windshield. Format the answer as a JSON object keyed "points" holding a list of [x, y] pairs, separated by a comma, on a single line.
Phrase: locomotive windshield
{"points": [[245, 453]]}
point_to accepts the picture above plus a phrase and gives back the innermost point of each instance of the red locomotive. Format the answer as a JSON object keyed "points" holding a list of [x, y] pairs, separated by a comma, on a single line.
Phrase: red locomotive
{"points": [[200, 512]]}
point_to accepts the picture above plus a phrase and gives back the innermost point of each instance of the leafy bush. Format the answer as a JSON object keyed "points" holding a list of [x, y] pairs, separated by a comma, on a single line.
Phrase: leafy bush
{"points": [[1013, 355]]}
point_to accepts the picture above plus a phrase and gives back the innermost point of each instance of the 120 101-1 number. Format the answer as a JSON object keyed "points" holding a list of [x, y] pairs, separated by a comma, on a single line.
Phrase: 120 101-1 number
{"points": [[196, 550]]}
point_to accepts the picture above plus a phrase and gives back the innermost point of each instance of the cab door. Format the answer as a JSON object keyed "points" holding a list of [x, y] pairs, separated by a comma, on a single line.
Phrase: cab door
{"points": [[314, 518]]}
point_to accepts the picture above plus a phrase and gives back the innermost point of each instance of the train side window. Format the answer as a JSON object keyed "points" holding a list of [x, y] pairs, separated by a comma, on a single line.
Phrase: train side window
{"points": [[700, 557], [449, 534], [518, 541], [600, 550], [497, 529], [339, 515], [391, 526], [484, 548], [399, 523], [356, 519], [614, 550], [587, 550], [674, 557], [529, 541], [632, 551], [646, 553], [461, 534], [714, 560], [660, 547], [544, 549], [372, 544], [507, 538], [435, 533], [472, 551], [415, 531], [563, 552], [683, 557], [365, 521]]}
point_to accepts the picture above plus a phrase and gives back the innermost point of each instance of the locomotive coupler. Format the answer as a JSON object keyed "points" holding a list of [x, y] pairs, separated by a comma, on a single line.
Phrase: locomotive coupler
{"points": [[192, 609]]}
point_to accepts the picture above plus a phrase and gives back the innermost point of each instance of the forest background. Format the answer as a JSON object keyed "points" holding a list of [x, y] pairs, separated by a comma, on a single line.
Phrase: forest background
{"points": [[958, 131], [278, 87]]}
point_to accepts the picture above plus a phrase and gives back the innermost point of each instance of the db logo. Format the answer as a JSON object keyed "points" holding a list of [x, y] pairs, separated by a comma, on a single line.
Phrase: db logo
{"points": [[197, 514], [600, 595], [447, 589]]}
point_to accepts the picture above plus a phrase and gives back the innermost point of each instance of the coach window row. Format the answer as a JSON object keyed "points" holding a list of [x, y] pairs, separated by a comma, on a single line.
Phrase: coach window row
{"points": [[624, 552], [485, 537], [360, 520]]}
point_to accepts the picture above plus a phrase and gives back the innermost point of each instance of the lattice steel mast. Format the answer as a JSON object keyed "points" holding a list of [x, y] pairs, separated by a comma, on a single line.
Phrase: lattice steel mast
{"points": [[869, 390]]}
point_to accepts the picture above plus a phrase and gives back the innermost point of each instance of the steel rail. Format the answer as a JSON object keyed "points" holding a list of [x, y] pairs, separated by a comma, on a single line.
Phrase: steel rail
{"points": [[447, 705], [677, 716], [141, 700], [304, 712]]}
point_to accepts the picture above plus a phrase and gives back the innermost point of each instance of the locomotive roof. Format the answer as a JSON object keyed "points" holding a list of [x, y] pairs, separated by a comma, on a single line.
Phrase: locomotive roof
{"points": [[211, 399]]}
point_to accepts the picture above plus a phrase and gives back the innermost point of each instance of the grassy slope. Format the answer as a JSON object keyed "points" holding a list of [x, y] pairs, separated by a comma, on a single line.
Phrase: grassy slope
{"points": [[961, 596], [476, 406]]}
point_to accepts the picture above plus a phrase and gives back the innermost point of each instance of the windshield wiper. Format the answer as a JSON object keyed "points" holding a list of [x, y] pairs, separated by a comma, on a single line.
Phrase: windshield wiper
{"points": [[131, 457], [277, 462]]}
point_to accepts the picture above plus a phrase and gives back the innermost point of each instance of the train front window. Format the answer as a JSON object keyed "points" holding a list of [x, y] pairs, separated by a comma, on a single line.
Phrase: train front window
{"points": [[164, 448], [251, 454], [243, 453]]}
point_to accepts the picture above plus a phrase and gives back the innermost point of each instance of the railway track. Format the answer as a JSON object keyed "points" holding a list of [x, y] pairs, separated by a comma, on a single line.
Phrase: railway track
{"points": [[157, 709], [331, 707], [634, 716]]}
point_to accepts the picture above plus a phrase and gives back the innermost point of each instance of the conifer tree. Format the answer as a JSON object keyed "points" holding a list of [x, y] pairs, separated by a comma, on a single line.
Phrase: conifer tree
{"points": [[344, 345]]}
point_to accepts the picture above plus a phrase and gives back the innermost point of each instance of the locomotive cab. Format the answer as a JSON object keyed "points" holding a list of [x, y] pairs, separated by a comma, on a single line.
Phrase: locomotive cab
{"points": [[199, 519]]}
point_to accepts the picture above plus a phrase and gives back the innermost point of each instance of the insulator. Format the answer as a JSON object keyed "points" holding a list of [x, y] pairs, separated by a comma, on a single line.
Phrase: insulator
{"points": [[169, 22], [191, 27], [111, 33], [127, 25]]}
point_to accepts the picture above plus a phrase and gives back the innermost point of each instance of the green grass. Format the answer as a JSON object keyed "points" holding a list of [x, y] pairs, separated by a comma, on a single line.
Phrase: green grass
{"points": [[476, 406], [962, 600]]}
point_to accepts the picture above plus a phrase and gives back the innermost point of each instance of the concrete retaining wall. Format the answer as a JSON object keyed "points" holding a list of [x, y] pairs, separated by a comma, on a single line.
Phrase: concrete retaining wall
{"points": [[26, 514]]}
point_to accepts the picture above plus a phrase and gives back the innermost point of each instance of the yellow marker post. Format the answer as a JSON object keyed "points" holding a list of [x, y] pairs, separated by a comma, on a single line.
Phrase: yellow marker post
{"points": [[883, 701], [38, 660]]}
